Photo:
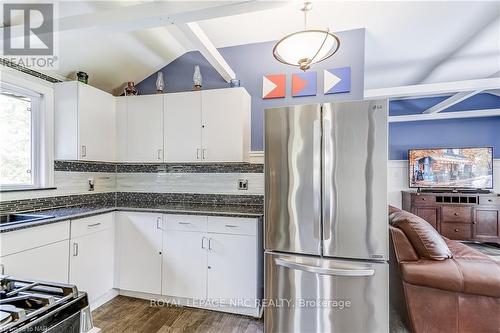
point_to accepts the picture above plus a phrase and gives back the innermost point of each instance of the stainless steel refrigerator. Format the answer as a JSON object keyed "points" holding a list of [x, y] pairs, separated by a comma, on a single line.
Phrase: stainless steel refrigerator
{"points": [[326, 229]]}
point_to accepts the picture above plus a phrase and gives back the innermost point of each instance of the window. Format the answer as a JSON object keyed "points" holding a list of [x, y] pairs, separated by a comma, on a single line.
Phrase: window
{"points": [[19, 138]]}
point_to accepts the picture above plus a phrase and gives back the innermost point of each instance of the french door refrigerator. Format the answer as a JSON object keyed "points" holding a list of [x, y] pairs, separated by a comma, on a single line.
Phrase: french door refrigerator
{"points": [[326, 230]]}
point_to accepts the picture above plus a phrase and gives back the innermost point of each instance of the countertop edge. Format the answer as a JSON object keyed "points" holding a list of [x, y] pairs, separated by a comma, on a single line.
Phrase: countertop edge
{"points": [[99, 211]]}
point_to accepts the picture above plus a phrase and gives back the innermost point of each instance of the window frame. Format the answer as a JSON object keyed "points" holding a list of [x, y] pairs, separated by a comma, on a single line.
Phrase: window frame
{"points": [[36, 137]]}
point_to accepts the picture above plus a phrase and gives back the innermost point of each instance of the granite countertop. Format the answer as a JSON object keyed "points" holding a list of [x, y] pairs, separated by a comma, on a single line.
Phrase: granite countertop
{"points": [[71, 213]]}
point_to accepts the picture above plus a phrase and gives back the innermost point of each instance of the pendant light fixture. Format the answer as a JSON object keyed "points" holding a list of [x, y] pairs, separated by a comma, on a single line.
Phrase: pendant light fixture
{"points": [[305, 48]]}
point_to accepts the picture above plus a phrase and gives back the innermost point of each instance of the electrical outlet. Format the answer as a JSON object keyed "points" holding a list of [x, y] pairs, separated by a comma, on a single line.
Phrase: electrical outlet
{"points": [[91, 184], [242, 184]]}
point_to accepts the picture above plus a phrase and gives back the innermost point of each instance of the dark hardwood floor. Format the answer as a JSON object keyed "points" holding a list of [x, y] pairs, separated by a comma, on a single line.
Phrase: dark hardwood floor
{"points": [[125, 314]]}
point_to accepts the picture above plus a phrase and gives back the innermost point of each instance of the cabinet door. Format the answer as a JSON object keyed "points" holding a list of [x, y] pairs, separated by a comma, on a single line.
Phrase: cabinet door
{"points": [[145, 128], [182, 127], [225, 119], [232, 273], [45, 263], [91, 263], [487, 228], [96, 124], [139, 243], [184, 264], [121, 129], [430, 214]]}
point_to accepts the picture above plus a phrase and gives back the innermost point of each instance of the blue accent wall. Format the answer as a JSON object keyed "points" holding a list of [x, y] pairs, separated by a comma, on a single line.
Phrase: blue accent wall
{"points": [[470, 132], [250, 62]]}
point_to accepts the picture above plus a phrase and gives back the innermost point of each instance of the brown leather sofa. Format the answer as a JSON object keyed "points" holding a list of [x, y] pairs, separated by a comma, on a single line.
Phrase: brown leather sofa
{"points": [[440, 285]]}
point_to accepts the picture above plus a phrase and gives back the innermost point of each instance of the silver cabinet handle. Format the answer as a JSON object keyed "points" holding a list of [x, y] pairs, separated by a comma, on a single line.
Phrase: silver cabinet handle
{"points": [[204, 153], [203, 242], [324, 270], [2, 269], [75, 249], [160, 154], [93, 225], [84, 151], [231, 226], [185, 223], [210, 244], [198, 153], [159, 221]]}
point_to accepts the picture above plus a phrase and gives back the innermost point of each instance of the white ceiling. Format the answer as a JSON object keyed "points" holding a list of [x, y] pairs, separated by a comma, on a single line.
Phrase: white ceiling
{"points": [[406, 42]]}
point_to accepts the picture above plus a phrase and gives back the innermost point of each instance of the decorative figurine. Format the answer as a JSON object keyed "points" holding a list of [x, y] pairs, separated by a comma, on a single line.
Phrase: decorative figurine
{"points": [[130, 89]]}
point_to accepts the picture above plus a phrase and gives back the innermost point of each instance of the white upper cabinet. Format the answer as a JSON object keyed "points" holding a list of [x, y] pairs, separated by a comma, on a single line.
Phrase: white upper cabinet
{"points": [[207, 126], [182, 125], [144, 128], [226, 125], [84, 123]]}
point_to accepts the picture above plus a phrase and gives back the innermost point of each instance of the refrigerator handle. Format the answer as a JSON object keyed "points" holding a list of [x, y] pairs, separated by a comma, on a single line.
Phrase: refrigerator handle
{"points": [[327, 167], [324, 270], [317, 177]]}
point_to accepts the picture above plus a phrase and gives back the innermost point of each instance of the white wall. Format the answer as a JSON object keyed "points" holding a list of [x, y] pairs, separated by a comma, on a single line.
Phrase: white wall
{"points": [[397, 179]]}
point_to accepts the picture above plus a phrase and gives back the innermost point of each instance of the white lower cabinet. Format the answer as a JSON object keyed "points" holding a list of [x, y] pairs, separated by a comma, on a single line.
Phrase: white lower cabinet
{"points": [[232, 269], [139, 251], [215, 259], [184, 264], [39, 253], [91, 266], [45, 263]]}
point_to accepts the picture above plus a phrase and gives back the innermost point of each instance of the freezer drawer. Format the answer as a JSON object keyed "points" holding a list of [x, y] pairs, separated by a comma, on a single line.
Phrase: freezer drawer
{"points": [[310, 294]]}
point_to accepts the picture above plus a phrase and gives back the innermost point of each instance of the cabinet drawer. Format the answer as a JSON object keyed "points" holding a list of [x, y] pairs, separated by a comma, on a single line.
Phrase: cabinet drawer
{"points": [[423, 199], [88, 225], [232, 225], [456, 230], [495, 201], [186, 222], [25, 239], [457, 214]]}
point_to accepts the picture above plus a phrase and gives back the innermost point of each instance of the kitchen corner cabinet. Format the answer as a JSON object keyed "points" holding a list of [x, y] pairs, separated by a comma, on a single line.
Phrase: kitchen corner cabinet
{"points": [[140, 128], [84, 123], [39, 253], [91, 266], [139, 251]]}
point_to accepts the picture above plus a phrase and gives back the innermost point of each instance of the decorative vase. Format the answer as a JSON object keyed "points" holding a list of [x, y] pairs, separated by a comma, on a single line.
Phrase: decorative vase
{"points": [[82, 77], [130, 89], [197, 79], [160, 84]]}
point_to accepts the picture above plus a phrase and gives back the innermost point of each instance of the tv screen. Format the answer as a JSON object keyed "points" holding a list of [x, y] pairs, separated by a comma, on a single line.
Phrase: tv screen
{"points": [[467, 168]]}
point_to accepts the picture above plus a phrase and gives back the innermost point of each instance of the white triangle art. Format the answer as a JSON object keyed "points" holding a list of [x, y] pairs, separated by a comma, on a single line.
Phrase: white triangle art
{"points": [[330, 80], [267, 86]]}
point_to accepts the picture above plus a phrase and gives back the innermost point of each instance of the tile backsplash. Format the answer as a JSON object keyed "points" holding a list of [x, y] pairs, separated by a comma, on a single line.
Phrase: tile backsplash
{"points": [[71, 179]]}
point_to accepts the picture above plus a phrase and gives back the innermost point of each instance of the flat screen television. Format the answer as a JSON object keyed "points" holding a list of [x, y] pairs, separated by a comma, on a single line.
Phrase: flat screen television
{"points": [[451, 168]]}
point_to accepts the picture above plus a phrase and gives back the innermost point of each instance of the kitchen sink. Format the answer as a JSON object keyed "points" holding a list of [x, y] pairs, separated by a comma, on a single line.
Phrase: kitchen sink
{"points": [[22, 218]]}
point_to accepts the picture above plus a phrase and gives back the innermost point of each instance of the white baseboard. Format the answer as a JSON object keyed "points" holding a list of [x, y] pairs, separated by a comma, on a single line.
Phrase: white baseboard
{"points": [[104, 299], [257, 157], [166, 300]]}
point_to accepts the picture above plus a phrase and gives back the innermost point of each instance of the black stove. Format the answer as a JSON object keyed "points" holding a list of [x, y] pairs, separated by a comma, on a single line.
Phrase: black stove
{"points": [[36, 306]]}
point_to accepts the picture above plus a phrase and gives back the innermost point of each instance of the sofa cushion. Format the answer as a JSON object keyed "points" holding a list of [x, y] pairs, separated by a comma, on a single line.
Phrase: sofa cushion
{"points": [[479, 276], [426, 241]]}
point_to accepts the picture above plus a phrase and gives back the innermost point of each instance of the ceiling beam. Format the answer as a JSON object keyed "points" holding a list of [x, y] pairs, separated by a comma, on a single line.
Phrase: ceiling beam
{"points": [[446, 115], [430, 89], [455, 99], [155, 14], [200, 41]]}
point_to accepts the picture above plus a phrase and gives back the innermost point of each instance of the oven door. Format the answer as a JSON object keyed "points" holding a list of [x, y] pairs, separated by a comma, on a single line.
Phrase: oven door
{"points": [[311, 294]]}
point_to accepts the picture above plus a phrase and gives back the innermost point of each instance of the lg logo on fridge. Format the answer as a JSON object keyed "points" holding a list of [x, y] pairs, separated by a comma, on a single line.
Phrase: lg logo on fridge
{"points": [[28, 34]]}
